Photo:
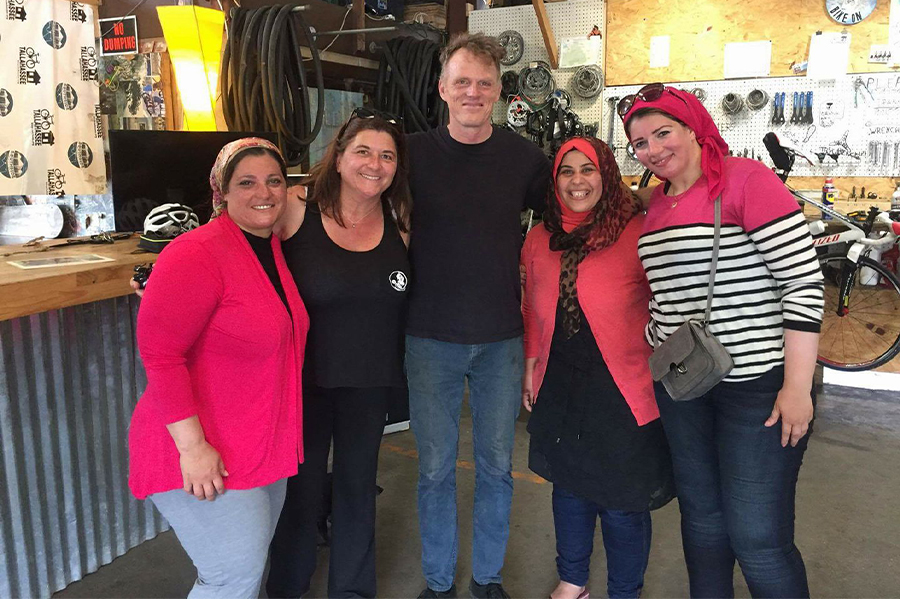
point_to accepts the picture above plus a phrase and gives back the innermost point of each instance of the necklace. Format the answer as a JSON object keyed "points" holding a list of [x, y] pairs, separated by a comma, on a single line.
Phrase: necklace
{"points": [[363, 217]]}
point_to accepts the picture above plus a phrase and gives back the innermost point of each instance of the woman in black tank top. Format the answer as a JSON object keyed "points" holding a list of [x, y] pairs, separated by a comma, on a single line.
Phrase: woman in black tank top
{"points": [[345, 245]]}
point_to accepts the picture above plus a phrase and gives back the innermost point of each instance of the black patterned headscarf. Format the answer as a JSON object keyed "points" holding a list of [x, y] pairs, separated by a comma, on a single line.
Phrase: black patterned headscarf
{"points": [[601, 227]]}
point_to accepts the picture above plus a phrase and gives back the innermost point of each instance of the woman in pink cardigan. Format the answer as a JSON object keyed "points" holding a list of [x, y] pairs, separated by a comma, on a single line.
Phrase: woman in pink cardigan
{"points": [[595, 429], [221, 333]]}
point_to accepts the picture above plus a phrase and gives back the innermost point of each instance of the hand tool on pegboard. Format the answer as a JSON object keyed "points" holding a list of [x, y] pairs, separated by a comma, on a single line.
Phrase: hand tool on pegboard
{"points": [[613, 100]]}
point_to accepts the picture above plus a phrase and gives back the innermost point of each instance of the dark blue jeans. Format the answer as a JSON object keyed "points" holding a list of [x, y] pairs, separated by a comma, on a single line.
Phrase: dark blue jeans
{"points": [[736, 486], [626, 538]]}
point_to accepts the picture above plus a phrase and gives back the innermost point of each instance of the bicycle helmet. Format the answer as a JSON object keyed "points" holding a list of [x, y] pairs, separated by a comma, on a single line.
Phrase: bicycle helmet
{"points": [[171, 220], [164, 223]]}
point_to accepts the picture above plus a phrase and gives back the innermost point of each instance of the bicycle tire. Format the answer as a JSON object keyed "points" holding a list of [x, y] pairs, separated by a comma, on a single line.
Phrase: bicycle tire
{"points": [[867, 335]]}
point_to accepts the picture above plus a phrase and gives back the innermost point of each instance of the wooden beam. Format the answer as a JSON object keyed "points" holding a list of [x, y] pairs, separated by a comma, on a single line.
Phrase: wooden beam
{"points": [[457, 17], [547, 32], [358, 18]]}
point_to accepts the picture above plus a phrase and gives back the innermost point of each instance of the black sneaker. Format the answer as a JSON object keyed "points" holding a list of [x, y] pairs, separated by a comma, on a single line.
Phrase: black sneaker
{"points": [[429, 593], [491, 590]]}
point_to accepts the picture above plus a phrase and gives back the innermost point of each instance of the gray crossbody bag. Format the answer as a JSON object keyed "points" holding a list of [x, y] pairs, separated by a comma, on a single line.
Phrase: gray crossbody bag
{"points": [[691, 361]]}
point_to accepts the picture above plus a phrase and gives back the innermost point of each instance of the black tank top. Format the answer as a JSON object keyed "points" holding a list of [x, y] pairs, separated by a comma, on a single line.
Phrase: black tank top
{"points": [[356, 303]]}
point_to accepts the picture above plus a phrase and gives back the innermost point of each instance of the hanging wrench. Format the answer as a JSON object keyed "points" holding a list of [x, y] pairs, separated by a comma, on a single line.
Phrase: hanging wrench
{"points": [[612, 122]]}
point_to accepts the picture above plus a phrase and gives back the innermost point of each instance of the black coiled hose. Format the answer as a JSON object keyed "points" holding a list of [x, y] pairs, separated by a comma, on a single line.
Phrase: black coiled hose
{"points": [[407, 83], [264, 82]]}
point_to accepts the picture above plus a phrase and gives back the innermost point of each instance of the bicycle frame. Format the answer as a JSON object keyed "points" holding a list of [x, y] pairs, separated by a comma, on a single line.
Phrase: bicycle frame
{"points": [[861, 243]]}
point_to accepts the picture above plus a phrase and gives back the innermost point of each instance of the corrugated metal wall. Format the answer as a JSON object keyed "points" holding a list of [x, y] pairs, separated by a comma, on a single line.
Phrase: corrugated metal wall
{"points": [[69, 380]]}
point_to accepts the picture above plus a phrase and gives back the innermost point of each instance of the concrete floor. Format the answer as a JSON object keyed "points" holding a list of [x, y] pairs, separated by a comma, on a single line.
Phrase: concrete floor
{"points": [[848, 520]]}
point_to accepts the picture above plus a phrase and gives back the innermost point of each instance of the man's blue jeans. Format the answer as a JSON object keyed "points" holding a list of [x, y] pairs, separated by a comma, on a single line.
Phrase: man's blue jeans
{"points": [[736, 487], [626, 538], [437, 372]]}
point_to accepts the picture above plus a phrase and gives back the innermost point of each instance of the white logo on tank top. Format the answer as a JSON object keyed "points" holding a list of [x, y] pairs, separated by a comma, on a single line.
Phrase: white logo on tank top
{"points": [[398, 280]]}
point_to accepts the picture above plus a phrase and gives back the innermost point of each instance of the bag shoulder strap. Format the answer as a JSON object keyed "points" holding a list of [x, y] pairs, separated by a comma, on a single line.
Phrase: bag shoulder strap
{"points": [[712, 275], [714, 261]]}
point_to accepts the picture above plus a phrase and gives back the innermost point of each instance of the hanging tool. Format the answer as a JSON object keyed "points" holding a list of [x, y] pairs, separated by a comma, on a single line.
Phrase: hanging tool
{"points": [[778, 109], [809, 107], [613, 100], [795, 109]]}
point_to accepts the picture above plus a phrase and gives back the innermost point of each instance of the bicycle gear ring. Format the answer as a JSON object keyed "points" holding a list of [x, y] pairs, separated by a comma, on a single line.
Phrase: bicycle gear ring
{"points": [[588, 81], [514, 45], [536, 83], [757, 99]]}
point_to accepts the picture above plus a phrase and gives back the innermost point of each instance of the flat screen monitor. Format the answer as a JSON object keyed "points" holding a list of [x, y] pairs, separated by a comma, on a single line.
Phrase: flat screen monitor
{"points": [[150, 168]]}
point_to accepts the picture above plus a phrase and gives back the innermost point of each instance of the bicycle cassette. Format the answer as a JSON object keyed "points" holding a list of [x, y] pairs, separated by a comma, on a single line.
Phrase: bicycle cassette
{"points": [[587, 81], [514, 45], [536, 82]]}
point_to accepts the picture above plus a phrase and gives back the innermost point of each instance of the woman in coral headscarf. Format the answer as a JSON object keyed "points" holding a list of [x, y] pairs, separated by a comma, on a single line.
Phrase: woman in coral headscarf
{"points": [[735, 469], [221, 332], [595, 430]]}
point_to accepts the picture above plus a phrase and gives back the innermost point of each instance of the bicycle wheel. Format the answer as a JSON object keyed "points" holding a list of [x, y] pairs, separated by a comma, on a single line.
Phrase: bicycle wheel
{"points": [[861, 331]]}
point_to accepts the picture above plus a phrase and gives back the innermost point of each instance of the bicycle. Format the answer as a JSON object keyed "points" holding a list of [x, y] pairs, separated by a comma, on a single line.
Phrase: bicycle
{"points": [[861, 321]]}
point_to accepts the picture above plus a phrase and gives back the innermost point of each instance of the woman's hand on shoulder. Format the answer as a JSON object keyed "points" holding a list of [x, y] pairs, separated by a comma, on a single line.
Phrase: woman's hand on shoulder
{"points": [[294, 212]]}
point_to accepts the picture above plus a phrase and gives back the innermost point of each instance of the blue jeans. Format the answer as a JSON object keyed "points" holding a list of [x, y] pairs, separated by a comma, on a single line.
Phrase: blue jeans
{"points": [[437, 372], [626, 538], [736, 487]]}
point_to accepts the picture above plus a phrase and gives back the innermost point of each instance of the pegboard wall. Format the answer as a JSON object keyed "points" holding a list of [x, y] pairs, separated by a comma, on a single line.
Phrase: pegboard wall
{"points": [[574, 18], [855, 117]]}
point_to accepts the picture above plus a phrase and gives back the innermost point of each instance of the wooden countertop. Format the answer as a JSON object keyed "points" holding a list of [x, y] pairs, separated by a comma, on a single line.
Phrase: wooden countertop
{"points": [[24, 292]]}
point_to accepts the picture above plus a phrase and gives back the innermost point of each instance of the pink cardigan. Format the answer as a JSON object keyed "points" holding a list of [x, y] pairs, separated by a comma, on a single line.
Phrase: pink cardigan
{"points": [[217, 341], [614, 297]]}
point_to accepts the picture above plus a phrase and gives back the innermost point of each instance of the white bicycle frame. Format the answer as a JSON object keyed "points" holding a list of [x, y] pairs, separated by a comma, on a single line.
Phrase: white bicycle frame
{"points": [[860, 245]]}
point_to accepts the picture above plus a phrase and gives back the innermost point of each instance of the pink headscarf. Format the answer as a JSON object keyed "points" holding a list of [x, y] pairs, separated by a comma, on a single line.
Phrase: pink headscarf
{"points": [[685, 107], [226, 155]]}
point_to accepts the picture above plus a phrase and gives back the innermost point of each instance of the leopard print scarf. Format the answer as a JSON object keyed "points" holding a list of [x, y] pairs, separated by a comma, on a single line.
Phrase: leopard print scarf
{"points": [[599, 229]]}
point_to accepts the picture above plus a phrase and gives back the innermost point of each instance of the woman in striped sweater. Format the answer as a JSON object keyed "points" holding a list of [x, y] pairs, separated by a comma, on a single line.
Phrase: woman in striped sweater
{"points": [[735, 467]]}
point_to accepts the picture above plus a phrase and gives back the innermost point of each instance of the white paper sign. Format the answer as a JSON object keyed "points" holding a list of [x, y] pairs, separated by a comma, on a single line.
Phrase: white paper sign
{"points": [[748, 59], [578, 51], [659, 51], [829, 55]]}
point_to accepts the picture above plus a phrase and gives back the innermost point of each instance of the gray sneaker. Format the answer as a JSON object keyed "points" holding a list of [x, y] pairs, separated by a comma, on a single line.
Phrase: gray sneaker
{"points": [[491, 590], [429, 593]]}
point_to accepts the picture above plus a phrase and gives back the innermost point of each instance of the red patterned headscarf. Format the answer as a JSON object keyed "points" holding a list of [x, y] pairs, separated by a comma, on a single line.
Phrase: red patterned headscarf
{"points": [[577, 234], [685, 107], [226, 155]]}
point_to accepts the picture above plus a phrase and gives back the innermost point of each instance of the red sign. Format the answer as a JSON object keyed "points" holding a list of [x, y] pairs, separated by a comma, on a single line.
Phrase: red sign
{"points": [[118, 36]]}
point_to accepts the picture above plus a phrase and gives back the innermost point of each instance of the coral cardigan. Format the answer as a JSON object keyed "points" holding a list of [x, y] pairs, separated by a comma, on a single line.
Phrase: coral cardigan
{"points": [[614, 297], [217, 342]]}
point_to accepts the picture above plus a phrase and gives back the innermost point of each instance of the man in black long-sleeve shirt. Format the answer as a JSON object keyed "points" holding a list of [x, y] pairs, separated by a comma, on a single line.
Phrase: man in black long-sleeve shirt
{"points": [[470, 183]]}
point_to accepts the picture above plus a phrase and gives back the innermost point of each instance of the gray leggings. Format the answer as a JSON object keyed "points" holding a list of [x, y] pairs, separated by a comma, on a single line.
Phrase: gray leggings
{"points": [[227, 539]]}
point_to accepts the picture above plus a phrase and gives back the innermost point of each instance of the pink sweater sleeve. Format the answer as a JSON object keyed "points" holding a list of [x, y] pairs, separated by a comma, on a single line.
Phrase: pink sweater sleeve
{"points": [[532, 328], [182, 295], [776, 226]]}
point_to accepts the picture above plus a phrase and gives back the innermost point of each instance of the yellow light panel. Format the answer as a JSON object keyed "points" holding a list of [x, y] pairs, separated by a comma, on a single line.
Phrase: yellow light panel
{"points": [[194, 37]]}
